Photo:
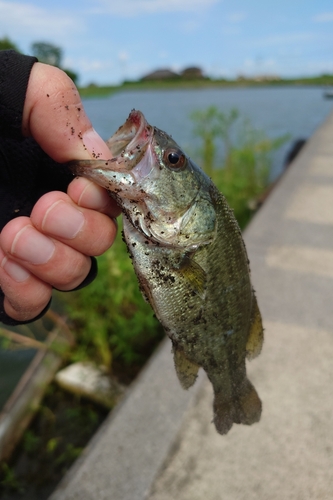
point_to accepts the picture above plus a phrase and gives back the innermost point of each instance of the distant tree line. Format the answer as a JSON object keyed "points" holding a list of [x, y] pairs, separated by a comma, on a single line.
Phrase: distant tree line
{"points": [[45, 52], [191, 73]]}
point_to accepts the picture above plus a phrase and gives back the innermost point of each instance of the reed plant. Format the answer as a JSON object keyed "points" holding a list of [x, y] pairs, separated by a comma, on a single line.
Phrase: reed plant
{"points": [[236, 156]]}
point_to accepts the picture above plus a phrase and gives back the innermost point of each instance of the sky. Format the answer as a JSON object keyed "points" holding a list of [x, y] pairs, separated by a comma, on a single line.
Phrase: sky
{"points": [[108, 41]]}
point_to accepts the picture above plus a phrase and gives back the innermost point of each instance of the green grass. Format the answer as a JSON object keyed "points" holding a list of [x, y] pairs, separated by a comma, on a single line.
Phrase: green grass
{"points": [[57, 436]]}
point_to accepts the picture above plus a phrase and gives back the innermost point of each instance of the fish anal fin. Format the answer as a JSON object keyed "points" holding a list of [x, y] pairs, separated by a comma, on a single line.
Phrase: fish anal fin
{"points": [[186, 370], [256, 334], [194, 275]]}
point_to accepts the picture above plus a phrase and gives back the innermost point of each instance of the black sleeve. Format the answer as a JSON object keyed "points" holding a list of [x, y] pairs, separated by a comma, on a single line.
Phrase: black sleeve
{"points": [[26, 172], [14, 76]]}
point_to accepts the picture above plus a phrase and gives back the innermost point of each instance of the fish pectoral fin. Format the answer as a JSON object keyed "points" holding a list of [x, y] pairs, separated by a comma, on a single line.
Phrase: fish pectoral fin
{"points": [[194, 275], [256, 336], [186, 370]]}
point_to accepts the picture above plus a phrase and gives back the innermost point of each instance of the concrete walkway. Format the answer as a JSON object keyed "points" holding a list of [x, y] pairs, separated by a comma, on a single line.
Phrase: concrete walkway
{"points": [[161, 444]]}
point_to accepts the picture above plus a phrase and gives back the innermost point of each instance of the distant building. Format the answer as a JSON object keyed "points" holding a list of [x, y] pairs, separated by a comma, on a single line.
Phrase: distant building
{"points": [[192, 72], [160, 74]]}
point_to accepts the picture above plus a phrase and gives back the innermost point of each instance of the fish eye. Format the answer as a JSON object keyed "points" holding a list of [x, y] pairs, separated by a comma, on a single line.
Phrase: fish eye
{"points": [[174, 158]]}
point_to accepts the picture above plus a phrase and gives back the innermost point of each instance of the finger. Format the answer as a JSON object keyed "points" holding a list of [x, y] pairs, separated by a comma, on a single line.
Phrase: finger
{"points": [[46, 258], [54, 115], [87, 231], [87, 194], [25, 295]]}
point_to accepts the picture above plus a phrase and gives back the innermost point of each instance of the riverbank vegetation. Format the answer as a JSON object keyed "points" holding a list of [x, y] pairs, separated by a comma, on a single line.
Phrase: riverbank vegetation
{"points": [[94, 90], [113, 326], [236, 156]]}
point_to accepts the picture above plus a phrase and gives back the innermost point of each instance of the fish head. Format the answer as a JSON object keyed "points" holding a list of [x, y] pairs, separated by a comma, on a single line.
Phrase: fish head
{"points": [[160, 190]]}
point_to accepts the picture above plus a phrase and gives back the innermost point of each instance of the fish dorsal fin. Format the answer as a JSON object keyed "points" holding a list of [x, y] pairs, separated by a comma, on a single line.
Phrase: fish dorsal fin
{"points": [[194, 275]]}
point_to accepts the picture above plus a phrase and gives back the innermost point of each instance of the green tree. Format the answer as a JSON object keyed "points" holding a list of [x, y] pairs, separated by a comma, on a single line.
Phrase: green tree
{"points": [[47, 53], [74, 76], [51, 54], [6, 44]]}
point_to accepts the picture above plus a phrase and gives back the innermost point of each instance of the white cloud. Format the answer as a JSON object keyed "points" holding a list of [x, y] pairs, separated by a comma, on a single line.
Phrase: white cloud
{"points": [[190, 26], [283, 39], [19, 19], [319, 66], [231, 30], [132, 7], [87, 66], [324, 17], [237, 17], [163, 54], [259, 65], [123, 56]]}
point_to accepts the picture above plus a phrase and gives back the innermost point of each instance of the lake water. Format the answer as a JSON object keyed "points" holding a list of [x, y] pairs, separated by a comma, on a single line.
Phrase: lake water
{"points": [[297, 111]]}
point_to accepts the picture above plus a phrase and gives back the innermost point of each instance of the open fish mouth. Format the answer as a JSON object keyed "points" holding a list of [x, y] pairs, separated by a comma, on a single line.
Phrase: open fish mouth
{"points": [[131, 137], [131, 151]]}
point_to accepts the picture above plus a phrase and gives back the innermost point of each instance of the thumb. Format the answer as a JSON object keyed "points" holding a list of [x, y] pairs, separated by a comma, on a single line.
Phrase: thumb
{"points": [[54, 116]]}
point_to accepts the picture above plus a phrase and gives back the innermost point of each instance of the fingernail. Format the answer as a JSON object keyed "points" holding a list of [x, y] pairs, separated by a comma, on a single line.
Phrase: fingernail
{"points": [[92, 196], [95, 144], [32, 246], [16, 272], [63, 220]]}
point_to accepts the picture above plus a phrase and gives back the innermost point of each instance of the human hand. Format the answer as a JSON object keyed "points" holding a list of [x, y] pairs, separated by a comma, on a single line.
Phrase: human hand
{"points": [[51, 248]]}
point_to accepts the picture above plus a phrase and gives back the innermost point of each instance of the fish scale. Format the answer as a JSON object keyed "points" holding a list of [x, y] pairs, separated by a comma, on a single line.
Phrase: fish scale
{"points": [[190, 260]]}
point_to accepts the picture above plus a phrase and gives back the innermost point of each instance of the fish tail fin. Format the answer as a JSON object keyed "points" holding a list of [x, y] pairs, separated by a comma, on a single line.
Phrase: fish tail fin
{"points": [[244, 408], [223, 413], [248, 404]]}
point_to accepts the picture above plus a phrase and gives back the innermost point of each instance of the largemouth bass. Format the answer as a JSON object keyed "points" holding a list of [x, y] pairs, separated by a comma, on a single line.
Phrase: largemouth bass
{"points": [[190, 260]]}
